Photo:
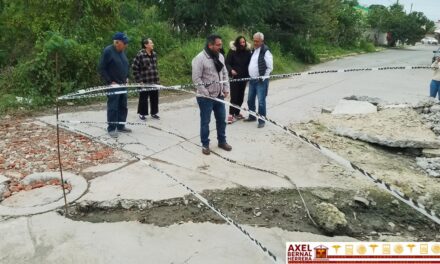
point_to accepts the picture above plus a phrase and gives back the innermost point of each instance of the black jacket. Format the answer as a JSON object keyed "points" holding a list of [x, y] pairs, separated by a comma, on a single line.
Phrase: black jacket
{"points": [[238, 60]]}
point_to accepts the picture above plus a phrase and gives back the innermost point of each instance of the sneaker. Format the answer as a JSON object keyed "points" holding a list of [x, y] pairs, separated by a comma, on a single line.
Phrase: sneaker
{"points": [[250, 119], [125, 130], [261, 125], [231, 119], [155, 117], [142, 117], [206, 150], [113, 134], [225, 146], [239, 117]]}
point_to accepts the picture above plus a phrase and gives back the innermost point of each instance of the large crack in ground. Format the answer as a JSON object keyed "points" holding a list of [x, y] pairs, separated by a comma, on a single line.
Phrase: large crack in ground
{"points": [[383, 218]]}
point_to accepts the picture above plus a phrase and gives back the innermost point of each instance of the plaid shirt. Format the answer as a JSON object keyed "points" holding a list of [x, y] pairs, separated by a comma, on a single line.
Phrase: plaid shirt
{"points": [[145, 68]]}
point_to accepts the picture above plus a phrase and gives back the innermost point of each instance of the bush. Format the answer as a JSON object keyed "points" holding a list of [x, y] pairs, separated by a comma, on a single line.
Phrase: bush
{"points": [[367, 46]]}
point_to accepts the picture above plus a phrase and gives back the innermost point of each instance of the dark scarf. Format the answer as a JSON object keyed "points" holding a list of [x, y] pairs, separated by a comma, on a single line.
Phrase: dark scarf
{"points": [[215, 57]]}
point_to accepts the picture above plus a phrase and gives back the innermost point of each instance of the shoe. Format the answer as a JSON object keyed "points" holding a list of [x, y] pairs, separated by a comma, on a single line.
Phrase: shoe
{"points": [[225, 146], [142, 117], [239, 117], [261, 125], [249, 119], [113, 134], [155, 117], [231, 119], [206, 150], [125, 130]]}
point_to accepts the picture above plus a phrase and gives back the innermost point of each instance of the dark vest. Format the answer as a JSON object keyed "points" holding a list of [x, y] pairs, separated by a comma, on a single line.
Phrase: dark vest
{"points": [[261, 62]]}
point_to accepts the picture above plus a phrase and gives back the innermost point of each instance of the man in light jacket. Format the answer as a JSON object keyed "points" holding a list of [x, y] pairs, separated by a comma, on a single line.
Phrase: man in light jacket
{"points": [[209, 66]]}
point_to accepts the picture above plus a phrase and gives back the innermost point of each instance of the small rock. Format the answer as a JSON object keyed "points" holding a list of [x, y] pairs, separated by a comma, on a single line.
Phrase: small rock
{"points": [[14, 174], [391, 226], [411, 229], [6, 194], [326, 110], [323, 194], [373, 233], [395, 202], [258, 214], [330, 218], [435, 108], [361, 200]]}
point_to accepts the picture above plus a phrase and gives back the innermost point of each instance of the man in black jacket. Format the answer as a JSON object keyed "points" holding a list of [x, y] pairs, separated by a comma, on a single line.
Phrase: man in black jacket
{"points": [[237, 63]]}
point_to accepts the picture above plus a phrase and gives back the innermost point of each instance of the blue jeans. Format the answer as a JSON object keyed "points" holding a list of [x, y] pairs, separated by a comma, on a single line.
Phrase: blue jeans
{"points": [[116, 111], [206, 107], [435, 89], [258, 89]]}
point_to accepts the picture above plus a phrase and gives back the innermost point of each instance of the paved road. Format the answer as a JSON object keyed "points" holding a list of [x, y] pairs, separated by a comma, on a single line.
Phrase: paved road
{"points": [[50, 238], [304, 97]]}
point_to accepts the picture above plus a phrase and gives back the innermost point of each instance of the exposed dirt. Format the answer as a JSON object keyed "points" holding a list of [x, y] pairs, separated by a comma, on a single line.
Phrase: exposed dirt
{"points": [[283, 208]]}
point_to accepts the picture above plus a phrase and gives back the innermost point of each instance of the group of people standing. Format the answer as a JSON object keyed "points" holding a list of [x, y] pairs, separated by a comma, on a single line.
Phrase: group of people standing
{"points": [[211, 73]]}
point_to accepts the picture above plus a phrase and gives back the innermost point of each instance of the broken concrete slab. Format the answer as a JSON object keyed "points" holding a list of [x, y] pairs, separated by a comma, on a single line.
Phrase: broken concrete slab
{"points": [[372, 100], [351, 107], [431, 153], [60, 238], [401, 128]]}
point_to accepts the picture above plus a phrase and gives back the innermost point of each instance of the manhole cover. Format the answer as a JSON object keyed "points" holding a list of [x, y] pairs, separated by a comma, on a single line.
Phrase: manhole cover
{"points": [[45, 198]]}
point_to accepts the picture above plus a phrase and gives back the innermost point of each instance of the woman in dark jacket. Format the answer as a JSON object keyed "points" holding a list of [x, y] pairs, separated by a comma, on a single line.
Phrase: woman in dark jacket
{"points": [[237, 62]]}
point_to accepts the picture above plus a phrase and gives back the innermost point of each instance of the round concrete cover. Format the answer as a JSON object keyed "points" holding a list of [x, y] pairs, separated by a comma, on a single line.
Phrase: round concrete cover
{"points": [[35, 197], [43, 199]]}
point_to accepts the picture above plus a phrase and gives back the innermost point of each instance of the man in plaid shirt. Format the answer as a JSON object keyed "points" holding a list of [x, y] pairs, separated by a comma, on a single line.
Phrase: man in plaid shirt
{"points": [[145, 71]]}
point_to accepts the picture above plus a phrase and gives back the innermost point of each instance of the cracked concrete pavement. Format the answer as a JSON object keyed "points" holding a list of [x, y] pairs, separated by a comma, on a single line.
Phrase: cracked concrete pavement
{"points": [[50, 237]]}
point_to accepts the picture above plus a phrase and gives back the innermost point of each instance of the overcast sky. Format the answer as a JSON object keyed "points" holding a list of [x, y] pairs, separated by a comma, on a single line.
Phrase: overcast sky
{"points": [[431, 8]]}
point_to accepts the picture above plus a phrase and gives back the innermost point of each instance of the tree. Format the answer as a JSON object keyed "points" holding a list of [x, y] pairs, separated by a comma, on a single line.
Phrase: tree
{"points": [[402, 27]]}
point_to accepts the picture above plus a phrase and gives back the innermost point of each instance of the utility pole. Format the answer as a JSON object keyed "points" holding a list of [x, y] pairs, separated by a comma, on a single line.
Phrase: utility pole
{"points": [[410, 11]]}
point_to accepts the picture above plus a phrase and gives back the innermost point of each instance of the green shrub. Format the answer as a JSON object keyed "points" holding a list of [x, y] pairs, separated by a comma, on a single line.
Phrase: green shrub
{"points": [[367, 46]]}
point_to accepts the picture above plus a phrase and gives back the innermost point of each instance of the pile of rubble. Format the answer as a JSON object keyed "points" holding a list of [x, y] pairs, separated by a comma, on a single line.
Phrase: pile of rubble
{"points": [[399, 126], [29, 146]]}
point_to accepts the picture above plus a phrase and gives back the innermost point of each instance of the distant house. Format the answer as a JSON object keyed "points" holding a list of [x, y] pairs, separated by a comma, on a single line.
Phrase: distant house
{"points": [[379, 38], [437, 30]]}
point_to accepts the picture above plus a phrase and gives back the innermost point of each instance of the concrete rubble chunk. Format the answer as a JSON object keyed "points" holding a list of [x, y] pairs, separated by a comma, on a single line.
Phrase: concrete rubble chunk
{"points": [[372, 100], [330, 218], [351, 107], [361, 200], [402, 128], [391, 226], [431, 153], [435, 108], [426, 102], [323, 194], [430, 165]]}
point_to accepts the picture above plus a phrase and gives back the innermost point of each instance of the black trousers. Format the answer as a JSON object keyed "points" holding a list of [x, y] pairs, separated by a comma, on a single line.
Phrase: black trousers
{"points": [[143, 102], [237, 96]]}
